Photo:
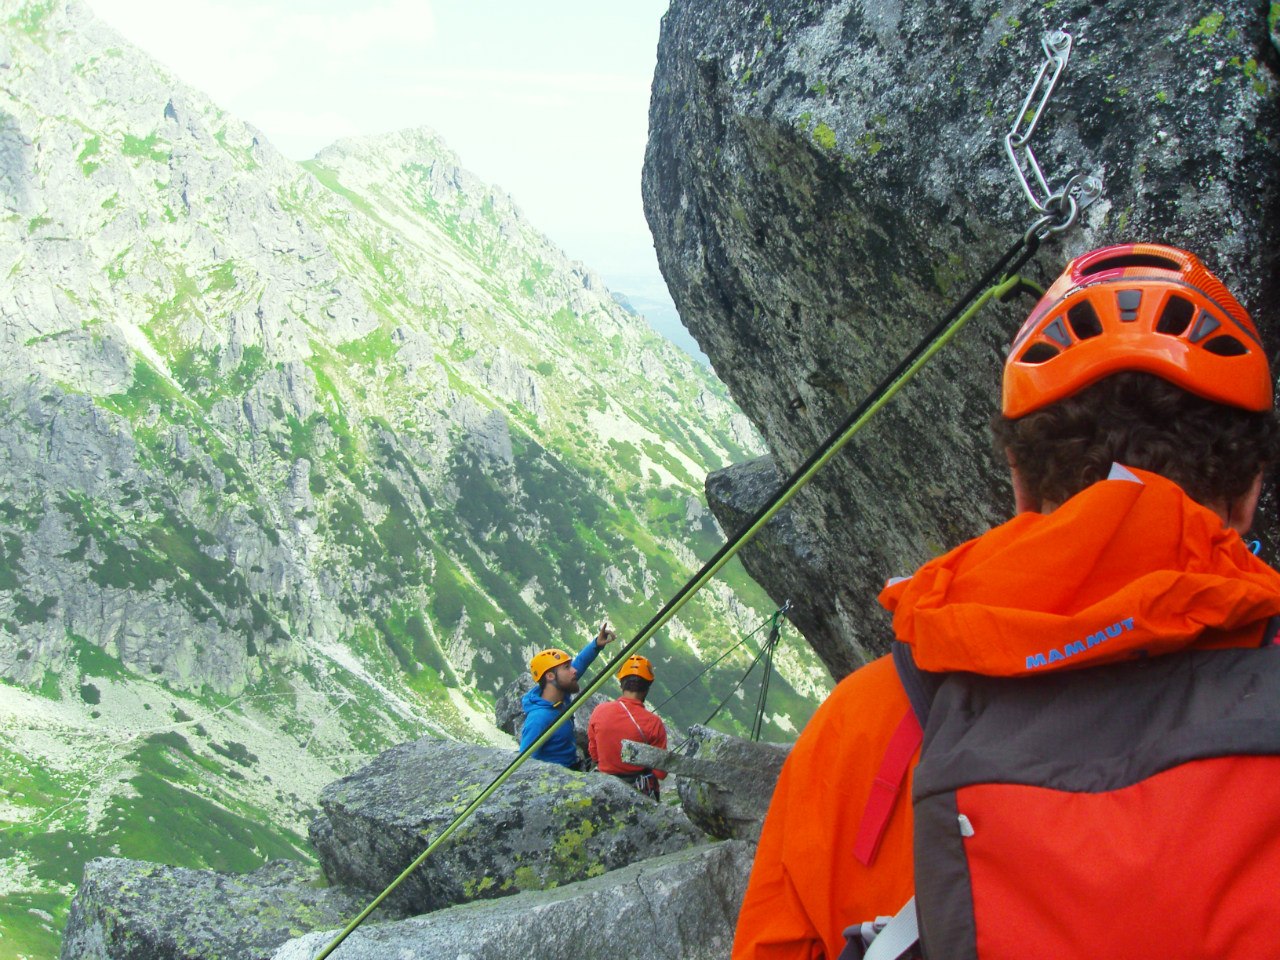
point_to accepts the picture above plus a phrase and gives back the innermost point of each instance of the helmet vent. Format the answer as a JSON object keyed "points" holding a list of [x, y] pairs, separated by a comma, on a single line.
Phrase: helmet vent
{"points": [[1084, 320], [1057, 332], [1039, 353], [1149, 260], [1129, 301], [1226, 346], [1176, 316], [1205, 325]]}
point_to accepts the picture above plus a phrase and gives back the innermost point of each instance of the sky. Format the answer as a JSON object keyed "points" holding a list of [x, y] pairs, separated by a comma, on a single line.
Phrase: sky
{"points": [[547, 100]]}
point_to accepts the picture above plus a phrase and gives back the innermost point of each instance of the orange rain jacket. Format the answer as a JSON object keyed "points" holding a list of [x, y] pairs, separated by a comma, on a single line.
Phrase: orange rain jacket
{"points": [[1132, 551]]}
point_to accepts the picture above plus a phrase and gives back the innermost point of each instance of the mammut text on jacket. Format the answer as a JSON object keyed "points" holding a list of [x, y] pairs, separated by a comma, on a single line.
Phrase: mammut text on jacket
{"points": [[1132, 565]]}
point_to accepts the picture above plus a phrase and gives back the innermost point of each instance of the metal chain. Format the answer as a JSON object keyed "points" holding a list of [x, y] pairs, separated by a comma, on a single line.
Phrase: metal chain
{"points": [[1059, 209]]}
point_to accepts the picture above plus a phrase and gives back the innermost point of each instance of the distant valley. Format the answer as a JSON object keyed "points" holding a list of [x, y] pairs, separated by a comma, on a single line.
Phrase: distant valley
{"points": [[298, 461]]}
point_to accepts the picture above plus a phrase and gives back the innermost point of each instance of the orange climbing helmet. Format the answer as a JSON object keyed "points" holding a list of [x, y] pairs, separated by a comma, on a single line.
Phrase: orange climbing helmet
{"points": [[636, 666], [545, 660], [1137, 306]]}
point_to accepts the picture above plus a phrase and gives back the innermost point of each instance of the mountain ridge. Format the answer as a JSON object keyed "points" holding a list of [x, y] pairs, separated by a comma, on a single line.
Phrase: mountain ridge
{"points": [[296, 463]]}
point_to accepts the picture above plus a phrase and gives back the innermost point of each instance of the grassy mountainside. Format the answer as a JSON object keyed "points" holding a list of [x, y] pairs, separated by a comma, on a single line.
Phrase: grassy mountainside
{"points": [[296, 462]]}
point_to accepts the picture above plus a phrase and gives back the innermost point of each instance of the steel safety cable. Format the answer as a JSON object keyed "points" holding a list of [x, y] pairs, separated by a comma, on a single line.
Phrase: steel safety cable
{"points": [[768, 621], [760, 655], [770, 648]]}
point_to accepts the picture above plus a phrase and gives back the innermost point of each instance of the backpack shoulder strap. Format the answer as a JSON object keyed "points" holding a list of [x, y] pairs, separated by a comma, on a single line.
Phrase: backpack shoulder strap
{"points": [[920, 688], [1271, 634], [901, 935]]}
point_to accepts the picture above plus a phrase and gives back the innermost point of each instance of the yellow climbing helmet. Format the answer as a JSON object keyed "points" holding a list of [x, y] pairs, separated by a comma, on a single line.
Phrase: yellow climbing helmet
{"points": [[545, 660], [636, 666]]}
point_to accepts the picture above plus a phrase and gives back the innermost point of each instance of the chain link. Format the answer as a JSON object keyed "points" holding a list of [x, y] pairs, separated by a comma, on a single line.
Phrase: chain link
{"points": [[1059, 209]]}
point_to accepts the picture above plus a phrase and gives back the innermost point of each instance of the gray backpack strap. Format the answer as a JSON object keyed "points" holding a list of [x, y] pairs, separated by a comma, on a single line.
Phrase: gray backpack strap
{"points": [[1269, 635], [920, 685], [898, 937]]}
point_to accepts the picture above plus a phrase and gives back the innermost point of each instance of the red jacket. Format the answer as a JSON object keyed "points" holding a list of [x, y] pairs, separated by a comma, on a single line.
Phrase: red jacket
{"points": [[1132, 553], [618, 720]]}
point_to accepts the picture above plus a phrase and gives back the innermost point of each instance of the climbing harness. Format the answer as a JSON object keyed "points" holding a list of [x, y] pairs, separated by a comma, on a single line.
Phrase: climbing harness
{"points": [[646, 781], [1059, 211]]}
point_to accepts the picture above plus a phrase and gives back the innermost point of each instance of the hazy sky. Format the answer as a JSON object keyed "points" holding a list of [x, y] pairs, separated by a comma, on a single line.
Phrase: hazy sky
{"points": [[548, 100]]}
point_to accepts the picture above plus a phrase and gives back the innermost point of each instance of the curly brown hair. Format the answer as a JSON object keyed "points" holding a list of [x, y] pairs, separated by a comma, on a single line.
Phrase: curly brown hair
{"points": [[635, 684], [1211, 450]]}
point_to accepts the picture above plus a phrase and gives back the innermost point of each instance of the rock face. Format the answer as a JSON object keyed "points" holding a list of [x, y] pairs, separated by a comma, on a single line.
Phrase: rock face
{"points": [[824, 179], [726, 782], [788, 557], [682, 907], [547, 826], [146, 911]]}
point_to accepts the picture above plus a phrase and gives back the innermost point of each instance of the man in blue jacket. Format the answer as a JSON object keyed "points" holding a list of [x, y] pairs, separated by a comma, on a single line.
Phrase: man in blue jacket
{"points": [[557, 679]]}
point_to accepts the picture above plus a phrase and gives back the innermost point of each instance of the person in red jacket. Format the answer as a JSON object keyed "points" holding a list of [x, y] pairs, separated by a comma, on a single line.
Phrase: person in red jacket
{"points": [[627, 718], [1137, 421]]}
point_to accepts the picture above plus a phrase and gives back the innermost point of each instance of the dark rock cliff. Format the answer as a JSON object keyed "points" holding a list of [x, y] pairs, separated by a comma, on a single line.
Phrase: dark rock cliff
{"points": [[823, 179]]}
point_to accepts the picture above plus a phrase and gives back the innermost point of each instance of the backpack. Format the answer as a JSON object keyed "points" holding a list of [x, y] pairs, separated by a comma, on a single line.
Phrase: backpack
{"points": [[1129, 810]]}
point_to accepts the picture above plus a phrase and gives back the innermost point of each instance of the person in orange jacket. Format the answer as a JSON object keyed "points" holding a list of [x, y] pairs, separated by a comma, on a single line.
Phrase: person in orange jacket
{"points": [[627, 718], [1137, 421]]}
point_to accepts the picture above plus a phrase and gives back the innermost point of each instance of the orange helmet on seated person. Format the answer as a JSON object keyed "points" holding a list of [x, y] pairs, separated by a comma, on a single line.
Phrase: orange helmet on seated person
{"points": [[636, 666], [1143, 307]]}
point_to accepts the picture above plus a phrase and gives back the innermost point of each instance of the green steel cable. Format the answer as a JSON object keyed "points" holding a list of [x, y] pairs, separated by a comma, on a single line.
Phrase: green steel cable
{"points": [[770, 647], [940, 336]]}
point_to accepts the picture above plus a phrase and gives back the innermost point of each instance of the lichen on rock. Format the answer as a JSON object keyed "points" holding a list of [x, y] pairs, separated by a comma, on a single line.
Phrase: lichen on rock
{"points": [[824, 180]]}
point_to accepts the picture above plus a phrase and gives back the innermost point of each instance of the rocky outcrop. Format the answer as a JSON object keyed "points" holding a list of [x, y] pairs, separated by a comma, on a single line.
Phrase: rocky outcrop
{"points": [[788, 558], [547, 826], [725, 782], [824, 179], [581, 861], [680, 907], [147, 911], [507, 712]]}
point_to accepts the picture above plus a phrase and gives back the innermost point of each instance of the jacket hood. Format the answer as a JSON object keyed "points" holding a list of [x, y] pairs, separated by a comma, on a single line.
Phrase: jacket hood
{"points": [[1129, 567]]}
